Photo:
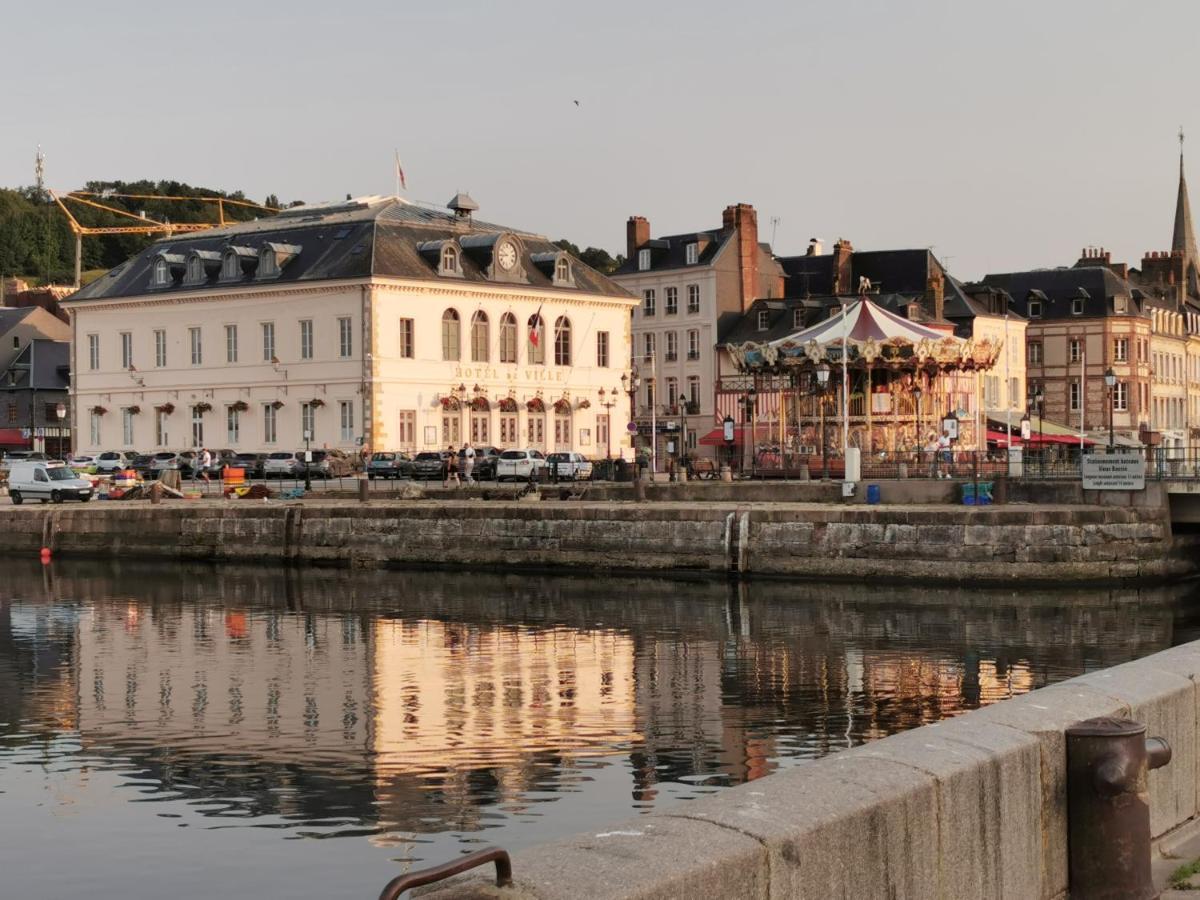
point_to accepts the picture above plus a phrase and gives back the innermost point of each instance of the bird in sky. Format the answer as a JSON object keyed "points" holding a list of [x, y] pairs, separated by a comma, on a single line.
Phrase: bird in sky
{"points": [[576, 102]]}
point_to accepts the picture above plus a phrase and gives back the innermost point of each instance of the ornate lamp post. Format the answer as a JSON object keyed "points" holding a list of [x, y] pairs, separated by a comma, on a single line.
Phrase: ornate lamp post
{"points": [[61, 412], [1039, 403], [307, 461], [822, 387], [608, 404], [683, 447], [749, 402], [1110, 382], [630, 384]]}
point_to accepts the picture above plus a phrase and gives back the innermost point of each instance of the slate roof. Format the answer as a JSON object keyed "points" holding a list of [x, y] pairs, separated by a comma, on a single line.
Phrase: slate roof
{"points": [[670, 252], [1061, 286], [358, 239], [892, 271], [49, 362], [11, 316]]}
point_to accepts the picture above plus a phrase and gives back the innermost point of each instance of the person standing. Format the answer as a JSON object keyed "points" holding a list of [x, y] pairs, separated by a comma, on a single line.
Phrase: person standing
{"points": [[946, 454], [451, 468], [468, 462]]}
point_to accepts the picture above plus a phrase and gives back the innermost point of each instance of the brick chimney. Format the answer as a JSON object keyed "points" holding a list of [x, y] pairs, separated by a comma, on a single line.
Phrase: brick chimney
{"points": [[842, 254], [936, 288], [744, 219], [637, 232]]}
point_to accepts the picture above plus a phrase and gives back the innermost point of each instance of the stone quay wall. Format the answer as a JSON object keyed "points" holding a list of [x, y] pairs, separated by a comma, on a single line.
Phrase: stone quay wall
{"points": [[1008, 544], [970, 807]]}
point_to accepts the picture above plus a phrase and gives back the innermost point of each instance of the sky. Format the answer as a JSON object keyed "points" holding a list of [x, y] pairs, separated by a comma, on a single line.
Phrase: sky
{"points": [[1003, 135]]}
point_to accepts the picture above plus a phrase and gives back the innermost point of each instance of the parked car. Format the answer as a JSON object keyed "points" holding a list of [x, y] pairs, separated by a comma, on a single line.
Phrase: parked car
{"points": [[569, 465], [165, 461], [485, 462], [430, 465], [326, 464], [389, 464], [251, 462], [282, 464], [114, 460], [81, 462], [144, 465], [36, 479], [520, 465]]}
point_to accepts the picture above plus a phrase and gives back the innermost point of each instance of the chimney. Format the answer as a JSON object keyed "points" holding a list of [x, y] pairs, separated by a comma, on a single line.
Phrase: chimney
{"points": [[637, 232], [744, 219], [936, 287], [842, 254], [814, 247]]}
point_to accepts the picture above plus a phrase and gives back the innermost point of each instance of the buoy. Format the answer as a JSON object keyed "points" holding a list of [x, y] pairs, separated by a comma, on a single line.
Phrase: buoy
{"points": [[45, 555]]}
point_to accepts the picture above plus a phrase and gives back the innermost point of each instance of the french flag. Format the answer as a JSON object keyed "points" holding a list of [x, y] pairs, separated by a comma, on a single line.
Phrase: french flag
{"points": [[535, 328]]}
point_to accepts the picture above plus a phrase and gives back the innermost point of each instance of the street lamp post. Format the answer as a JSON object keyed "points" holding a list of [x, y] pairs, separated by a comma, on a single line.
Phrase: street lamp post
{"points": [[307, 461], [683, 447], [749, 402], [822, 386], [630, 384], [61, 412], [1110, 382], [608, 404], [1039, 403]]}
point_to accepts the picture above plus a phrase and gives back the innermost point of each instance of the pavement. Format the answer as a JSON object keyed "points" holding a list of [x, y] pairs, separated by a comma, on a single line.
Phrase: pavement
{"points": [[1178, 849]]}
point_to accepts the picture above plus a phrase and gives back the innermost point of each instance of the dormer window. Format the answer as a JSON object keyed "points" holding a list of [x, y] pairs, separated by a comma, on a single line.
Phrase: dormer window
{"points": [[1120, 304], [643, 260], [449, 265], [231, 266], [161, 275], [195, 271], [1035, 309], [562, 271], [764, 319], [237, 262], [693, 253], [1077, 306], [798, 317], [267, 265]]}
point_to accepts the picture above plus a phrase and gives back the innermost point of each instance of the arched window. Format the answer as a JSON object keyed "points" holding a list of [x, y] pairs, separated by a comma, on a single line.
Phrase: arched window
{"points": [[450, 336], [562, 341], [268, 265], [162, 272], [537, 340], [195, 271], [508, 338], [479, 337], [231, 266], [562, 270], [449, 258]]}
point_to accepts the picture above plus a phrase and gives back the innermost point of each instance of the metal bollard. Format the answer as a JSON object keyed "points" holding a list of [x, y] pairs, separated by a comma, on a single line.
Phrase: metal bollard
{"points": [[1108, 810], [363, 489]]}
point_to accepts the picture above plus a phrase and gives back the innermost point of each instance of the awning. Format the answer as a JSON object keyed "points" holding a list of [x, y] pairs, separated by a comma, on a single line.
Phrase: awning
{"points": [[1001, 437], [1070, 440], [13, 437]]}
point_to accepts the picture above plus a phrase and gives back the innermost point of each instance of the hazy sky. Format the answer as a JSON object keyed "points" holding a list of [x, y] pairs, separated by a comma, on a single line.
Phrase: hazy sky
{"points": [[1005, 135]]}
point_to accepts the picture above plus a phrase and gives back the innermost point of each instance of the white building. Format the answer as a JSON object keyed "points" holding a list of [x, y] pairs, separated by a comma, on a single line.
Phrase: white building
{"points": [[693, 288], [373, 322]]}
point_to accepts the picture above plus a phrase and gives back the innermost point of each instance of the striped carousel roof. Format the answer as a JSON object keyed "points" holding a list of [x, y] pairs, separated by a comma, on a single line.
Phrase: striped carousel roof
{"points": [[864, 321], [873, 336]]}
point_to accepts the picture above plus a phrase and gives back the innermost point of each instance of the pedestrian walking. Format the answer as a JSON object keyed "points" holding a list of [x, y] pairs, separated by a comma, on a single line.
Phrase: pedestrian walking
{"points": [[468, 462], [205, 462], [452, 468], [931, 447], [946, 454]]}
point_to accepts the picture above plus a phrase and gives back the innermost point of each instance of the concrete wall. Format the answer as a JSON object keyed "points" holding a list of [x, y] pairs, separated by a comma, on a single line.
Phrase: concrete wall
{"points": [[972, 807], [955, 544]]}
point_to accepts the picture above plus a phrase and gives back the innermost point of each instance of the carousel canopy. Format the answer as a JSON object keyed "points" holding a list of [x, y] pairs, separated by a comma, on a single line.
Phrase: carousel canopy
{"points": [[873, 336]]}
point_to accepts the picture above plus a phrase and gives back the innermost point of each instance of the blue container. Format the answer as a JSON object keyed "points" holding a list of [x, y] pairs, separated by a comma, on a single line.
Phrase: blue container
{"points": [[872, 493]]}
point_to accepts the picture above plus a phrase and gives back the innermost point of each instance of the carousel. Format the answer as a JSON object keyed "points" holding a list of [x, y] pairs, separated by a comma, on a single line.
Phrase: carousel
{"points": [[868, 377]]}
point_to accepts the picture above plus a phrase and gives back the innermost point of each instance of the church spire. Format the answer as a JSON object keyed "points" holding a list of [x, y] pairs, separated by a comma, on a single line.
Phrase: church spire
{"points": [[1183, 240]]}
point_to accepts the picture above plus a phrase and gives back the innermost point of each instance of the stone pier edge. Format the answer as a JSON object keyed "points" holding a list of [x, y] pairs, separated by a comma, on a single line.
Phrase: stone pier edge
{"points": [[1022, 545], [970, 807]]}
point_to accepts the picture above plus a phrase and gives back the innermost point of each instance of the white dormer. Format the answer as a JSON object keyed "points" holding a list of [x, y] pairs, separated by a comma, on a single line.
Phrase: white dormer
{"points": [[643, 260], [273, 257], [161, 275], [693, 253]]}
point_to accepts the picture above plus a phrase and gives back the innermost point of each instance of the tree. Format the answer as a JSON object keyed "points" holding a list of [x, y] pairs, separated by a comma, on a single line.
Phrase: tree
{"points": [[598, 259]]}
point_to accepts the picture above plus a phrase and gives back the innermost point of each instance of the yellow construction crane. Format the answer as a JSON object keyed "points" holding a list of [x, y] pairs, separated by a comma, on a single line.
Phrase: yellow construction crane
{"points": [[145, 225]]}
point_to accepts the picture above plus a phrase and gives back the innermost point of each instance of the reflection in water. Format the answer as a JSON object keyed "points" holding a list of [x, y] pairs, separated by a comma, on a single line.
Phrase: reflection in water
{"points": [[428, 711]]}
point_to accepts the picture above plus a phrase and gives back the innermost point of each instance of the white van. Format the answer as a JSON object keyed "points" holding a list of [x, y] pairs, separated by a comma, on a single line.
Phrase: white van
{"points": [[46, 481]]}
